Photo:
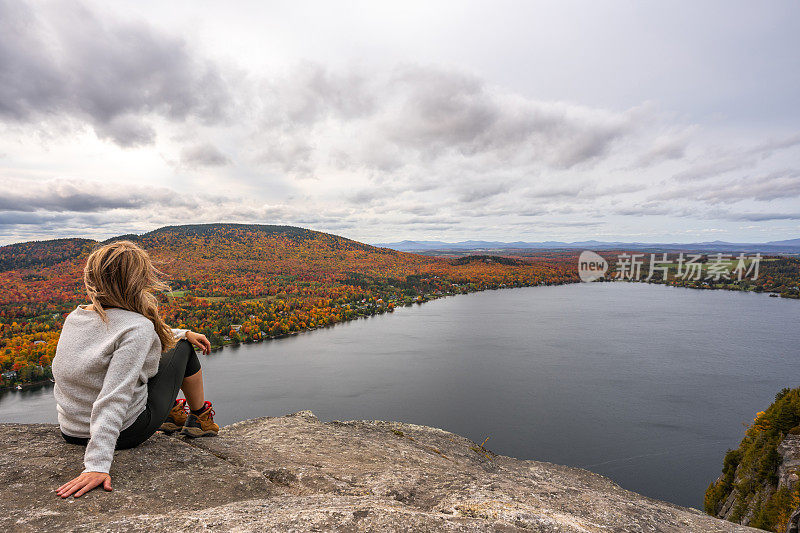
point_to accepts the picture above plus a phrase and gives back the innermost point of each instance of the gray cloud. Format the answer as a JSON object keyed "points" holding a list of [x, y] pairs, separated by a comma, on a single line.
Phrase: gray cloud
{"points": [[309, 93], [370, 196], [772, 186], [761, 217], [712, 213], [203, 155], [652, 208], [482, 192], [704, 169], [769, 147], [126, 130], [533, 213], [666, 147], [289, 154], [86, 196], [62, 62], [439, 111], [581, 191], [416, 209], [775, 185], [557, 191], [13, 218], [718, 164], [426, 220], [413, 117], [549, 225]]}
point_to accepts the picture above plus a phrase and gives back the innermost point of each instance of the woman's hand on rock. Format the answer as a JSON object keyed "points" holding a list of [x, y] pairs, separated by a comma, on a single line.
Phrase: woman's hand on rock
{"points": [[199, 340], [84, 483]]}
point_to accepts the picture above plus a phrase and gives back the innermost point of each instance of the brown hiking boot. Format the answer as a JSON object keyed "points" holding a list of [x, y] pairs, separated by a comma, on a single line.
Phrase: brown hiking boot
{"points": [[176, 417], [201, 425]]}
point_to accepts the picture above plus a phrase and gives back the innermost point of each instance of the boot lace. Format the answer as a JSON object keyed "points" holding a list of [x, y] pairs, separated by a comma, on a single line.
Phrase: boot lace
{"points": [[209, 410]]}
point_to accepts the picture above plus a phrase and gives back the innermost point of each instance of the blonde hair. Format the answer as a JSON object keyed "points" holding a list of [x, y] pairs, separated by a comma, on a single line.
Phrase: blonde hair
{"points": [[121, 274]]}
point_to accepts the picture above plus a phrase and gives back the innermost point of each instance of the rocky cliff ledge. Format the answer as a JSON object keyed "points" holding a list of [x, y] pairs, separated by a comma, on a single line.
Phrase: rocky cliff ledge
{"points": [[295, 473]]}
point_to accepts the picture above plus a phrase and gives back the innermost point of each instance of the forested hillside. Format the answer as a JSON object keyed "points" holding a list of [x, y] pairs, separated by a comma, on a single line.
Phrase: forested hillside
{"points": [[759, 482], [243, 283]]}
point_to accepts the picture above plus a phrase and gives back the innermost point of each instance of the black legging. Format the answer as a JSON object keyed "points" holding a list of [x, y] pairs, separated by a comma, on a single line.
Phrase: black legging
{"points": [[162, 389]]}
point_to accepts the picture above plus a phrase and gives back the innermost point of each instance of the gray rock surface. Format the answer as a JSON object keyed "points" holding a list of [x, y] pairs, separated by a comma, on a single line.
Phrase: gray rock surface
{"points": [[295, 473], [789, 450]]}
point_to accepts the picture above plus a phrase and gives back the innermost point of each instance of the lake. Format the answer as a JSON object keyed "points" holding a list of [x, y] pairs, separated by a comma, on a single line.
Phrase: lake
{"points": [[646, 384]]}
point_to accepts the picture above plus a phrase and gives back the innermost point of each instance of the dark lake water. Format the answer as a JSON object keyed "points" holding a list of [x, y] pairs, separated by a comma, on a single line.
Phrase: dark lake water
{"points": [[648, 385]]}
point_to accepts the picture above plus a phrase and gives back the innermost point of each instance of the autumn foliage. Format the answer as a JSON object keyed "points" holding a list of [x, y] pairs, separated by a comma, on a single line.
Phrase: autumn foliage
{"points": [[245, 283]]}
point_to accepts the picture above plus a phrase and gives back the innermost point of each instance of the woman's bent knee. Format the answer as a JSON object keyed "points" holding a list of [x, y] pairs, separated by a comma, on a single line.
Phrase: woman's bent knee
{"points": [[192, 365]]}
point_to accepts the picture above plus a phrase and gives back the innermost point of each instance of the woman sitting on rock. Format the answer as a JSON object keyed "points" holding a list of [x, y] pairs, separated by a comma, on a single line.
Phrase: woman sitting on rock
{"points": [[118, 366]]}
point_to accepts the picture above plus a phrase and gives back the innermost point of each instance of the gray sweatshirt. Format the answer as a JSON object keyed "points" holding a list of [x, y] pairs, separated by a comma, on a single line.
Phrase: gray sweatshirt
{"points": [[101, 371]]}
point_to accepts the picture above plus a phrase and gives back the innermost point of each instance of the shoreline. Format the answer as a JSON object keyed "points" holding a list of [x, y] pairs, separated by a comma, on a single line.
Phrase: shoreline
{"points": [[425, 299], [26, 385], [433, 297]]}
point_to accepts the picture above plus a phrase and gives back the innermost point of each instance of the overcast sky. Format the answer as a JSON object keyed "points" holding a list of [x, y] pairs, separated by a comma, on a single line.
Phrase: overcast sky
{"points": [[381, 121]]}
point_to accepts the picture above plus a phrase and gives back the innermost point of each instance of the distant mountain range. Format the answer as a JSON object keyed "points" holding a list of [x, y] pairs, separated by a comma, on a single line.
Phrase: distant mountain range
{"points": [[791, 246]]}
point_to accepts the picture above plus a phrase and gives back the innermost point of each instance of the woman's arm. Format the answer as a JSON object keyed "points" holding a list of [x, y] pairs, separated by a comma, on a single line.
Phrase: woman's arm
{"points": [[179, 333], [110, 408], [198, 339]]}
